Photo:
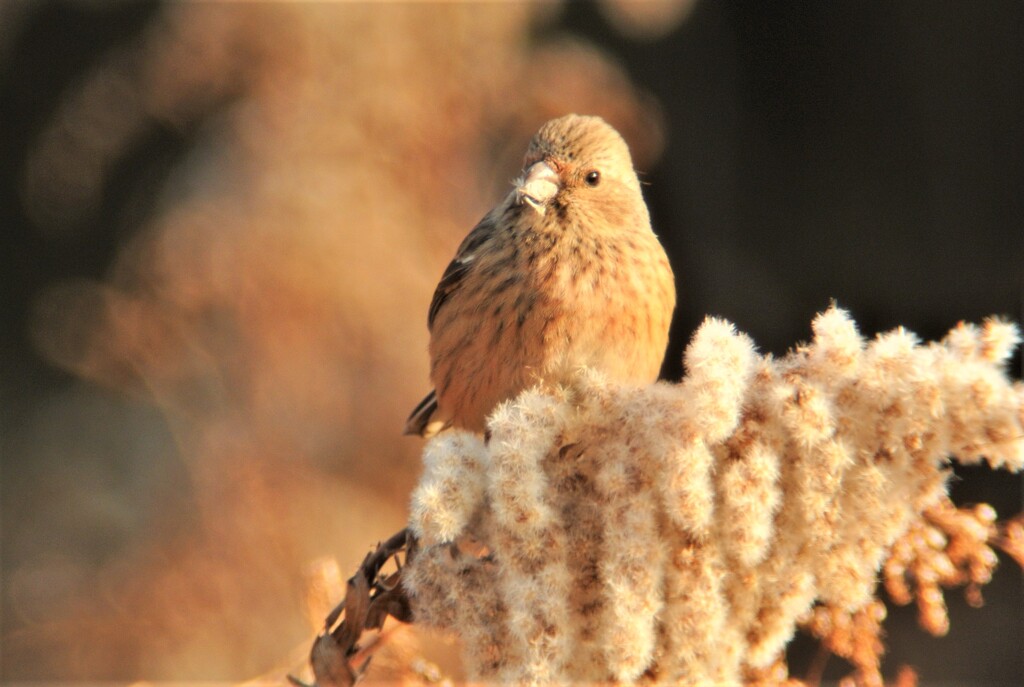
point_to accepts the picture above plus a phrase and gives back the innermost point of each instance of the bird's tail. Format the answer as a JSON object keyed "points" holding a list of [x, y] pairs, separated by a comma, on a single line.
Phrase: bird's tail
{"points": [[420, 419]]}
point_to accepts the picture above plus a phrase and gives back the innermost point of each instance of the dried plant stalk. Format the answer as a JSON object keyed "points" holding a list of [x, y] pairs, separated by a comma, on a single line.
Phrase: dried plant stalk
{"points": [[337, 658]]}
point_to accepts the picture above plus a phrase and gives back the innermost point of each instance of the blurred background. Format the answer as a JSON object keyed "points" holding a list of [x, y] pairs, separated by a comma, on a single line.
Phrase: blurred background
{"points": [[224, 224]]}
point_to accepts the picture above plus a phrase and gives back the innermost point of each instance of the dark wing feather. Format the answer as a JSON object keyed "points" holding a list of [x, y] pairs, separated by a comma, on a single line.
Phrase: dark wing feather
{"points": [[420, 416], [460, 266]]}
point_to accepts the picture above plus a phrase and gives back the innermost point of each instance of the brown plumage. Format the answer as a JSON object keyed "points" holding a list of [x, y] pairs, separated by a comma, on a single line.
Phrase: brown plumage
{"points": [[565, 273]]}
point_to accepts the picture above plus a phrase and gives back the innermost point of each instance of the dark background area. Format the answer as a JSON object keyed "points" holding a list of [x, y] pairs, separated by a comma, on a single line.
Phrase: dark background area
{"points": [[869, 153]]}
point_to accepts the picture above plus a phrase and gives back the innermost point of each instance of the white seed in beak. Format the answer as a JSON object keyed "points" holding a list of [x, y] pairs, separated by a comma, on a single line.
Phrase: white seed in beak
{"points": [[540, 185]]}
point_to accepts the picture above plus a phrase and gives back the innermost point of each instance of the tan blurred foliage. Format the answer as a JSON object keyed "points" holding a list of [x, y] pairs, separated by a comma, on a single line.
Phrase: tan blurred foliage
{"points": [[647, 19], [274, 311]]}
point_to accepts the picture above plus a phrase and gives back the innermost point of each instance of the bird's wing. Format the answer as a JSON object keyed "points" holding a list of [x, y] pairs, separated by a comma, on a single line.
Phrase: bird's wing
{"points": [[460, 266], [421, 420]]}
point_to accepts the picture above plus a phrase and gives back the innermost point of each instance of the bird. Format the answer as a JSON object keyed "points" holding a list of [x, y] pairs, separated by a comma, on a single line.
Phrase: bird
{"points": [[564, 273]]}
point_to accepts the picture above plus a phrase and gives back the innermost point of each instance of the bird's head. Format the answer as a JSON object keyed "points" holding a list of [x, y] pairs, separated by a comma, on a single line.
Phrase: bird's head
{"points": [[579, 162]]}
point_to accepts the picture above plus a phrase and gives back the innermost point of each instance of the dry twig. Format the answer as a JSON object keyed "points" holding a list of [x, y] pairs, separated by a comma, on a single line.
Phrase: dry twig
{"points": [[337, 658]]}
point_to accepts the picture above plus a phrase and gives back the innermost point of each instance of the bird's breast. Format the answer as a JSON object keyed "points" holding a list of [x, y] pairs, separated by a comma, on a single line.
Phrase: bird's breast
{"points": [[608, 306]]}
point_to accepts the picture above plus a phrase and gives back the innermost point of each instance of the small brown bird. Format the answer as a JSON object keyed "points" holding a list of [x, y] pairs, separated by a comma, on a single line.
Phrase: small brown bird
{"points": [[565, 273]]}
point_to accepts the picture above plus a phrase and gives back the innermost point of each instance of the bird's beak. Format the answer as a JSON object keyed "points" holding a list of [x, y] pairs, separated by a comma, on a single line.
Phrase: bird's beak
{"points": [[540, 185]]}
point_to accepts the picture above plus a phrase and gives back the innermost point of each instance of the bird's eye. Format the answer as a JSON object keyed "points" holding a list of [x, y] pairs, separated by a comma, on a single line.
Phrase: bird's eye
{"points": [[593, 178]]}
